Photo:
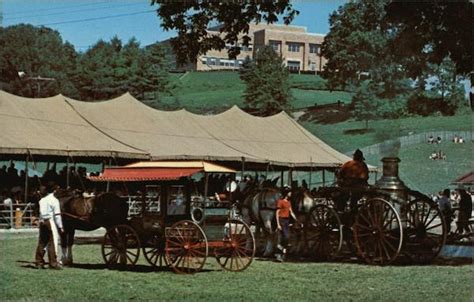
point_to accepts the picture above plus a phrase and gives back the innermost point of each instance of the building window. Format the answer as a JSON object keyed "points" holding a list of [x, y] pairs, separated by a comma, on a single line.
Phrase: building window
{"points": [[293, 47], [314, 48], [293, 65], [275, 45]]}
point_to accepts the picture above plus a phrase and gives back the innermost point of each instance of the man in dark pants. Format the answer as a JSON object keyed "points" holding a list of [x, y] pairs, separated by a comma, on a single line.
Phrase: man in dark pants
{"points": [[49, 222], [283, 213]]}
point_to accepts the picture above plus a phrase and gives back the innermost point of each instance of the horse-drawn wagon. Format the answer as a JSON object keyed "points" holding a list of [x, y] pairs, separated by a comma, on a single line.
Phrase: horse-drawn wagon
{"points": [[385, 221], [177, 225]]}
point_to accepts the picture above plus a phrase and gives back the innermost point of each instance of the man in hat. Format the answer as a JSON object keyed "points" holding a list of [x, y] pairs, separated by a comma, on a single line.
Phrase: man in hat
{"points": [[352, 175], [50, 221]]}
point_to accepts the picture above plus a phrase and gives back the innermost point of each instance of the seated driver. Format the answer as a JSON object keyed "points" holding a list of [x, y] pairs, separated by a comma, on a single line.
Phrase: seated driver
{"points": [[352, 175]]}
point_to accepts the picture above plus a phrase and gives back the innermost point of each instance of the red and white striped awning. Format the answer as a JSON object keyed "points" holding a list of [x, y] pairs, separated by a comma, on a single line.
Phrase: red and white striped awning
{"points": [[144, 174]]}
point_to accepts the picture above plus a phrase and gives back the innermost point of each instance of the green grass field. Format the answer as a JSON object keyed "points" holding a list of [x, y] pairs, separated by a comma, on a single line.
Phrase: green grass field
{"points": [[345, 137], [262, 281], [217, 91]]}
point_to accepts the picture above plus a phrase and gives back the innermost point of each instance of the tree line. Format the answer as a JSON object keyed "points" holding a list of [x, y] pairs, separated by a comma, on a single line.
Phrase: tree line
{"points": [[36, 62]]}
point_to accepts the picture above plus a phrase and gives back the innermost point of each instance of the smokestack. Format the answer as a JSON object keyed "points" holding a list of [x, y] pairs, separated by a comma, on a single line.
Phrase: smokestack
{"points": [[390, 181]]}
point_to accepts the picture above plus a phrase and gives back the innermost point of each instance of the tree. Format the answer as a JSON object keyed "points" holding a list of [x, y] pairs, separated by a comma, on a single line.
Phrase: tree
{"points": [[268, 89], [191, 19], [430, 31], [109, 69], [30, 54]]}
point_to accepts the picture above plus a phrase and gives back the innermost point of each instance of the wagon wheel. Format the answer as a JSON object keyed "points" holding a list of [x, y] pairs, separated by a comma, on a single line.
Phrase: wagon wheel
{"points": [[121, 246], [323, 232], [425, 231], [378, 232], [186, 247], [238, 247], [154, 250]]}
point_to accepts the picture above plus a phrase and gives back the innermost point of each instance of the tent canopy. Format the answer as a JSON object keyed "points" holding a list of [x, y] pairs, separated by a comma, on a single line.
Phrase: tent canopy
{"points": [[126, 128]]}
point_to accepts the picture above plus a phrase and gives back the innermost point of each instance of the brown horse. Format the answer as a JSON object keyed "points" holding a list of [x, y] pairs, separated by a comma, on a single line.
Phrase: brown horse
{"points": [[87, 214]]}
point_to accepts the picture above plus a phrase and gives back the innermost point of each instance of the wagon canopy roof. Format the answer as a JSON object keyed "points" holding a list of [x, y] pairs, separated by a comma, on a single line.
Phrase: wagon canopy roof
{"points": [[164, 170], [201, 165], [125, 127]]}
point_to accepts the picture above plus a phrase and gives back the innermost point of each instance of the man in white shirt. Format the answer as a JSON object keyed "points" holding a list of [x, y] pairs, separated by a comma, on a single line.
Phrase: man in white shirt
{"points": [[50, 221]]}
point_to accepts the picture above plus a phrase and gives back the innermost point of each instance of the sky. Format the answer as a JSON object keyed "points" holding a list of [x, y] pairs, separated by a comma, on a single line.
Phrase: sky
{"points": [[84, 22]]}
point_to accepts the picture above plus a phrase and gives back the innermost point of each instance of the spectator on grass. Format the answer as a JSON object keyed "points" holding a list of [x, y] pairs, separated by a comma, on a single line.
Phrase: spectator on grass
{"points": [[446, 208], [461, 140], [438, 140], [431, 139]]}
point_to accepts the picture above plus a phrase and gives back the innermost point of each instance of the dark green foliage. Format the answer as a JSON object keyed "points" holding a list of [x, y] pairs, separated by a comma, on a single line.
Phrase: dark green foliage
{"points": [[371, 49], [267, 80], [109, 69], [429, 31], [191, 20], [37, 52]]}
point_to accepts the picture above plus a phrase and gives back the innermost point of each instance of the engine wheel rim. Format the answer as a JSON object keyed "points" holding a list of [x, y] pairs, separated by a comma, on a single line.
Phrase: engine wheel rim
{"points": [[323, 233], [425, 232], [378, 232]]}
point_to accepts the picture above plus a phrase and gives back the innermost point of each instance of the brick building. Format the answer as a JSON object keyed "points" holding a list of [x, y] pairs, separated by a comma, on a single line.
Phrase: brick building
{"points": [[300, 50]]}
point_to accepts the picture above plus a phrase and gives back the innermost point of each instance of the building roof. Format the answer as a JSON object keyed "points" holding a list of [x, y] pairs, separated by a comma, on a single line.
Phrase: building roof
{"points": [[466, 179], [126, 128]]}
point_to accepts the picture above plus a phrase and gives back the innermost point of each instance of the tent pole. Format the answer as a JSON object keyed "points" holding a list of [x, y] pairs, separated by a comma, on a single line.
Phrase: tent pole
{"points": [[108, 183], [67, 172], [26, 179], [243, 169], [281, 179], [310, 176], [290, 178], [206, 185], [324, 177]]}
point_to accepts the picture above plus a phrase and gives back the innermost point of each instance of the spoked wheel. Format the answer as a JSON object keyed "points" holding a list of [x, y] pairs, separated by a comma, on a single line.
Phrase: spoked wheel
{"points": [[425, 232], [154, 250], [323, 233], [121, 246], [378, 232], [186, 247], [237, 249]]}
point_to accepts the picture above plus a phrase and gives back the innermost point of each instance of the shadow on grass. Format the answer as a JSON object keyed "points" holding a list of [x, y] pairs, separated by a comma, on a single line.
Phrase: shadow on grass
{"points": [[139, 268], [358, 131]]}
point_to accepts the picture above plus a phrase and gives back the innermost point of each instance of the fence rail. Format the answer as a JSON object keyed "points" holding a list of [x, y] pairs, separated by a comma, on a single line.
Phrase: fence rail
{"points": [[446, 137], [17, 216]]}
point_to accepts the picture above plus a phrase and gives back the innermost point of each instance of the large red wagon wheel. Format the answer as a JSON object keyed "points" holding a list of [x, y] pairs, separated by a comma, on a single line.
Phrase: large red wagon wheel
{"points": [[154, 250], [323, 233], [237, 249], [378, 232], [121, 246], [186, 247], [425, 233]]}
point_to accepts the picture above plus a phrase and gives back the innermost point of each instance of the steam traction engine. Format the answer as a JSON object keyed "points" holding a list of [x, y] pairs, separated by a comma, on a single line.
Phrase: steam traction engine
{"points": [[387, 220]]}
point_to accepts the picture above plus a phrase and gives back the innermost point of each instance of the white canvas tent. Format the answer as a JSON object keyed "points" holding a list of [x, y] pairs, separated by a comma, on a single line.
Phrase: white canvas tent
{"points": [[126, 128]]}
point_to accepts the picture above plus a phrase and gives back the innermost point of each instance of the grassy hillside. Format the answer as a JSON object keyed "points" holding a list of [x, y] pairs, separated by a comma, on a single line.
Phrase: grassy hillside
{"points": [[350, 135], [217, 91]]}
